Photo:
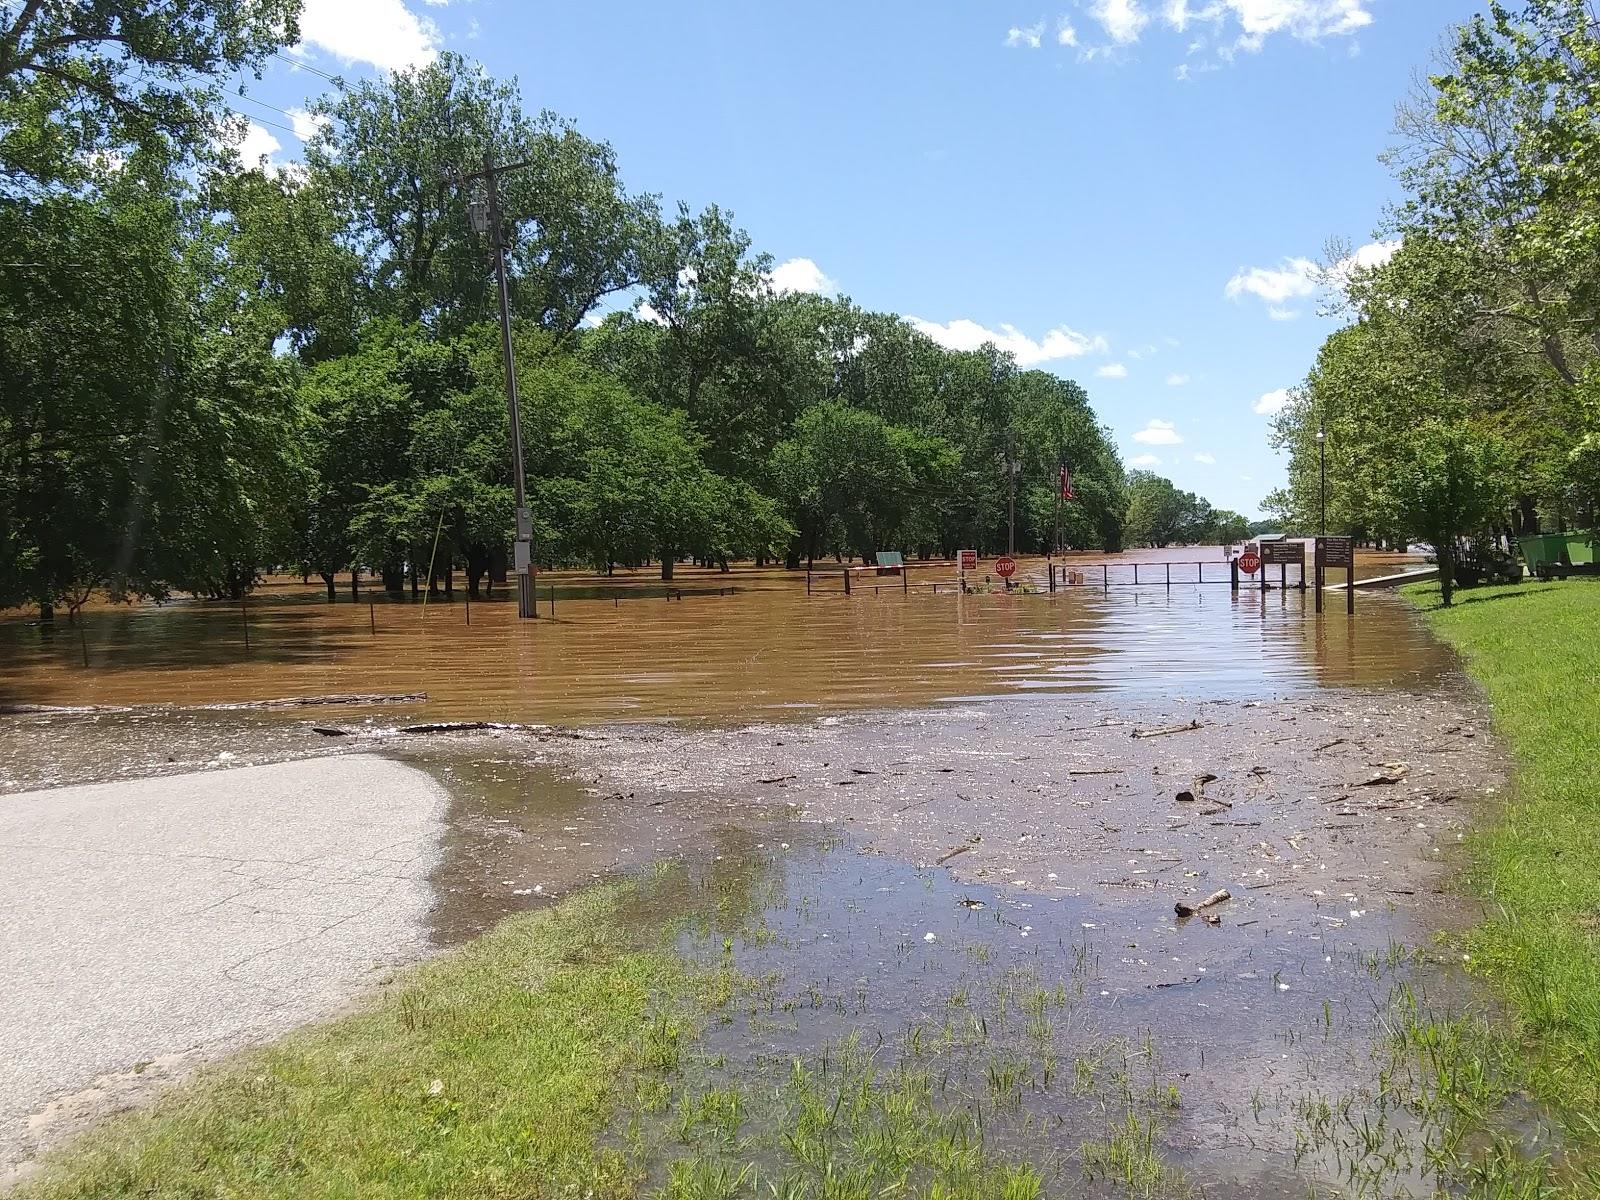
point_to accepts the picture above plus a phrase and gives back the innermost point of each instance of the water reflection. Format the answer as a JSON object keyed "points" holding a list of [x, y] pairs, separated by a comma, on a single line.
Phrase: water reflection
{"points": [[717, 646]]}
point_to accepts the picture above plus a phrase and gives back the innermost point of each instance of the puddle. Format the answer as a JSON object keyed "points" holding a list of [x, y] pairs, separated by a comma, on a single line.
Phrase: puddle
{"points": [[1044, 1030], [1045, 1016]]}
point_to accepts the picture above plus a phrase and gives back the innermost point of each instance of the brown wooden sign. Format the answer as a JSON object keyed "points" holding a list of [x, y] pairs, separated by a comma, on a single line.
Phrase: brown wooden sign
{"points": [[1337, 552], [1283, 554]]}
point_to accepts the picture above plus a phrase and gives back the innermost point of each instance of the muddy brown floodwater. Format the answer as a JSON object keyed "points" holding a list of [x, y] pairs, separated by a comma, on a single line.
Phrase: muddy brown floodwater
{"points": [[921, 776], [725, 646]]}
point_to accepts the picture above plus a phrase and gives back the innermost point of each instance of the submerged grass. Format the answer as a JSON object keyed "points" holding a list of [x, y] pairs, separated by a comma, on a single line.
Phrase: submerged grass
{"points": [[1536, 861]]}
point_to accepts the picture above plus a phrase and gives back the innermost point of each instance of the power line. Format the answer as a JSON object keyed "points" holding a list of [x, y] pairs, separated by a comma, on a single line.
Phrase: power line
{"points": [[263, 120], [305, 66], [264, 104]]}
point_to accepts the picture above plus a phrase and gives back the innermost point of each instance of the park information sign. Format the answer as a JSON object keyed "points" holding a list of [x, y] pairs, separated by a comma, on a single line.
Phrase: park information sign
{"points": [[1283, 554], [1338, 552]]}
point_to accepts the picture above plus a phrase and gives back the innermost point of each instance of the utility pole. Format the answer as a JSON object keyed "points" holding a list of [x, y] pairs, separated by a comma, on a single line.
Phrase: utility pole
{"points": [[487, 219], [1011, 467]]}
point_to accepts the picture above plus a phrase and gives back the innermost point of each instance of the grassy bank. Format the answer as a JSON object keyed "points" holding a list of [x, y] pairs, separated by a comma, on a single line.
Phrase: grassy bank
{"points": [[565, 1054], [1536, 861], [490, 1072]]}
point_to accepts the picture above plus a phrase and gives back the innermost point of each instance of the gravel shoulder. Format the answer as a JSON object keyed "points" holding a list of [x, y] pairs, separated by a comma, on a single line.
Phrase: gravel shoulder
{"points": [[152, 924]]}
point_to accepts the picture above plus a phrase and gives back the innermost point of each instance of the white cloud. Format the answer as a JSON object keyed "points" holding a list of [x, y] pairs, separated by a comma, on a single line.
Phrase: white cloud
{"points": [[256, 147], [1123, 20], [1373, 254], [1144, 460], [1177, 380], [1307, 20], [1113, 371], [1025, 37], [1273, 403], [384, 33], [306, 125], [1158, 433], [1060, 342], [1294, 278], [801, 275], [647, 312], [1298, 278], [1066, 35], [1206, 458]]}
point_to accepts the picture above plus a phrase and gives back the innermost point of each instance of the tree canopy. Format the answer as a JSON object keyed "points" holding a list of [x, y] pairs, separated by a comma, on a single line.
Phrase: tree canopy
{"points": [[1458, 404], [211, 368]]}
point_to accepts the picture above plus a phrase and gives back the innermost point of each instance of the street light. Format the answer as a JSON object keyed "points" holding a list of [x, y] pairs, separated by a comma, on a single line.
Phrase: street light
{"points": [[1322, 460]]}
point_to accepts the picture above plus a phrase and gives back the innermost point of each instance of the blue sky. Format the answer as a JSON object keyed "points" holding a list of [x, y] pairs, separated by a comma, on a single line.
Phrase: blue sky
{"points": [[1130, 193]]}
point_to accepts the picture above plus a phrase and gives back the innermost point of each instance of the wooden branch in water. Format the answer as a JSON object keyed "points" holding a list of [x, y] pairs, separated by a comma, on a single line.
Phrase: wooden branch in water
{"points": [[318, 701], [1184, 909], [1166, 730]]}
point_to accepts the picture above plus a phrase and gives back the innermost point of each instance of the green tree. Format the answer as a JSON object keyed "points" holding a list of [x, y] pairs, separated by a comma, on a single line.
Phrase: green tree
{"points": [[387, 152], [102, 77], [1444, 483]]}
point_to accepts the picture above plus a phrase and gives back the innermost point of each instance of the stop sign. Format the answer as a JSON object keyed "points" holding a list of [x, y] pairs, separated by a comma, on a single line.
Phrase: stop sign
{"points": [[1005, 568], [1249, 562]]}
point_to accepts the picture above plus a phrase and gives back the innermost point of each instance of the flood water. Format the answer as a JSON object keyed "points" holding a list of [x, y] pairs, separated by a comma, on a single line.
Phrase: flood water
{"points": [[720, 646]]}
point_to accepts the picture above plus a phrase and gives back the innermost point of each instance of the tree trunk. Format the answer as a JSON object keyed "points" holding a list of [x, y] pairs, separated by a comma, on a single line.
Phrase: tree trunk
{"points": [[1446, 554], [47, 611], [667, 563], [394, 578], [331, 584], [791, 561], [355, 583]]}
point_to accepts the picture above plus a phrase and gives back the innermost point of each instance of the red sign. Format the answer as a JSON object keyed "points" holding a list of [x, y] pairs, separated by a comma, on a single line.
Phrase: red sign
{"points": [[969, 560], [1005, 567], [1249, 562]]}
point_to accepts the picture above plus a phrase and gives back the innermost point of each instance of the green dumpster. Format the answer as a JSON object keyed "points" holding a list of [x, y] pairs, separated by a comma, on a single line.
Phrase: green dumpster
{"points": [[1548, 553]]}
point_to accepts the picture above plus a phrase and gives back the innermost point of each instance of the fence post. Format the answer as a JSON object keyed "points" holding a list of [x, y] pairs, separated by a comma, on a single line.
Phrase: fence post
{"points": [[905, 579], [1135, 574], [1320, 569], [372, 618], [1105, 577], [847, 580], [1169, 577], [1350, 585], [1233, 574], [808, 579], [244, 615]]}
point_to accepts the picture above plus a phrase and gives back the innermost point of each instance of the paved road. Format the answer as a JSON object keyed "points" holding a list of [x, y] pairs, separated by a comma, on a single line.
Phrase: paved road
{"points": [[169, 920]]}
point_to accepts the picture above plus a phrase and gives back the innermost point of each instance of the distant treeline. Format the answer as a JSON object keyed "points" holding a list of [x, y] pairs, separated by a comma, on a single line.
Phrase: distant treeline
{"points": [[209, 367]]}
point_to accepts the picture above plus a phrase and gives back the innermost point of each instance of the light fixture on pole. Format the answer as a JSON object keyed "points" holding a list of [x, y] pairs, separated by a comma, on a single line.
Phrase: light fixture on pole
{"points": [[1322, 462]]}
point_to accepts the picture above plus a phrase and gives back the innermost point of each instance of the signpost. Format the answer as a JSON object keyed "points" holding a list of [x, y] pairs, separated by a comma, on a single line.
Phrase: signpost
{"points": [[1337, 552], [966, 560], [1284, 553]]}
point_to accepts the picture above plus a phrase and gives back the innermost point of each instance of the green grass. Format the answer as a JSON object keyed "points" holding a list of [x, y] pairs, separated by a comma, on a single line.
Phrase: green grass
{"points": [[489, 1072], [1535, 859]]}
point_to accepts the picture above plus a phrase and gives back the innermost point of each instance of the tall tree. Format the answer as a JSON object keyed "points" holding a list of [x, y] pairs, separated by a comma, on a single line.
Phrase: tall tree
{"points": [[99, 77]]}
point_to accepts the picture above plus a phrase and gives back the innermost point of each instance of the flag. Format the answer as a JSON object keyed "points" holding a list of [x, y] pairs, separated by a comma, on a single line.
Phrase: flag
{"points": [[1066, 485]]}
